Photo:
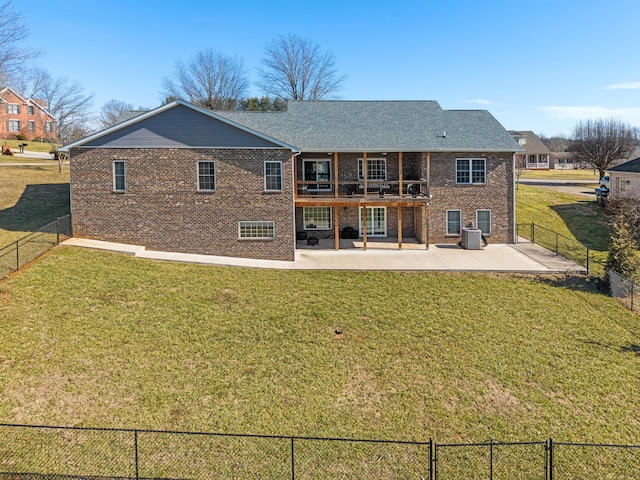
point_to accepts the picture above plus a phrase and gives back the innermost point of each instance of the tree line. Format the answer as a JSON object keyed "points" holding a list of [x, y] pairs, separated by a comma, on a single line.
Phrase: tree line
{"points": [[292, 68]]}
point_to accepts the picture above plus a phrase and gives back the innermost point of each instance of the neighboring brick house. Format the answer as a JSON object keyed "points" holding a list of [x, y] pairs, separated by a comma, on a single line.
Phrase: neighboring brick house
{"points": [[25, 118], [624, 180], [536, 155], [181, 178]]}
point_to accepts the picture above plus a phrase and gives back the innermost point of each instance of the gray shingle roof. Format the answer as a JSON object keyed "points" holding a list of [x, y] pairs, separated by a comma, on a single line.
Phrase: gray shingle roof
{"points": [[632, 166], [533, 144], [356, 126]]}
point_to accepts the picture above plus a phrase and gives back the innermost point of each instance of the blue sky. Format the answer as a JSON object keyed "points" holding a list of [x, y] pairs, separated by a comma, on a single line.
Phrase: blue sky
{"points": [[535, 65]]}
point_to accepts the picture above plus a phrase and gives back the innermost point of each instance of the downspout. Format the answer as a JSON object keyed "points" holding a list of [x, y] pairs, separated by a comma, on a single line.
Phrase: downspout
{"points": [[513, 200]]}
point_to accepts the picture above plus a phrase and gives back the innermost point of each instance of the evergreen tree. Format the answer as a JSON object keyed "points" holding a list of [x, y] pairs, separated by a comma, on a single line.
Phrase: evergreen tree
{"points": [[623, 255]]}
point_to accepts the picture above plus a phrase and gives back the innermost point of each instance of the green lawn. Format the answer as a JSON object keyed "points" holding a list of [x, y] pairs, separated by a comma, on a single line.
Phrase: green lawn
{"points": [[33, 146], [572, 216], [30, 197], [99, 339], [581, 174]]}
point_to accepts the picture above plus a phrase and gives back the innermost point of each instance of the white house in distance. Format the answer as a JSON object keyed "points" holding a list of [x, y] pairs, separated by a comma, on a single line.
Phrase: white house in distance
{"points": [[536, 154]]}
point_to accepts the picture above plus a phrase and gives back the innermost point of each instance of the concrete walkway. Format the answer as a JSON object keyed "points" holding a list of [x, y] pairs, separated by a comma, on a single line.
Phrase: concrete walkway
{"points": [[522, 257]]}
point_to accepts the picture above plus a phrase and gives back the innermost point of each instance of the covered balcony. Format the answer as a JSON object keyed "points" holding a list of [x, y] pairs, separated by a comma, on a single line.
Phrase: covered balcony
{"points": [[362, 178]]}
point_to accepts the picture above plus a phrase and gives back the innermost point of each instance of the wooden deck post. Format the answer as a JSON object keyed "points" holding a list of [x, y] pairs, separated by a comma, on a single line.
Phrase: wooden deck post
{"points": [[399, 227], [335, 173], [400, 174], [336, 229], [364, 206]]}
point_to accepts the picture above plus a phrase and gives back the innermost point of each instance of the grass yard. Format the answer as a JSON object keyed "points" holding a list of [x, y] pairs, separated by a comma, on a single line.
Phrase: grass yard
{"points": [[30, 197], [580, 174], [33, 146], [570, 215], [100, 339]]}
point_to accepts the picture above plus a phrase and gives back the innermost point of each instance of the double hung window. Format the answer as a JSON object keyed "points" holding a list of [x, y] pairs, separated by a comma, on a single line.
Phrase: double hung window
{"points": [[119, 176], [206, 176], [471, 171], [273, 176], [376, 169], [454, 222]]}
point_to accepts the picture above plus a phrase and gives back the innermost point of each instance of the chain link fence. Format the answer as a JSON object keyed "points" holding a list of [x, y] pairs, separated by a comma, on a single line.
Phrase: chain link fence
{"points": [[563, 246], [625, 291], [72, 453], [25, 250]]}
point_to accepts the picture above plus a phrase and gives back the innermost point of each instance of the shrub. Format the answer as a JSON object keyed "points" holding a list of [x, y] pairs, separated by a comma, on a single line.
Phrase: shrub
{"points": [[623, 254]]}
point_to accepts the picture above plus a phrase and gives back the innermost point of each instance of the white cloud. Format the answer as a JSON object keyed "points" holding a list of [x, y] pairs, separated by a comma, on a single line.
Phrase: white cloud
{"points": [[627, 114], [624, 86], [481, 101]]}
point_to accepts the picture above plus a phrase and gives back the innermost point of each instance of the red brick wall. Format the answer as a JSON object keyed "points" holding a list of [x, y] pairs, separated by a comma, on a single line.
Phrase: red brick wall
{"points": [[38, 117], [162, 209], [496, 195]]}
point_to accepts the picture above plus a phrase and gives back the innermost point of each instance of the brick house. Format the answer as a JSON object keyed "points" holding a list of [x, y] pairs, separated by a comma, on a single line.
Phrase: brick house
{"points": [[246, 184], [27, 117]]}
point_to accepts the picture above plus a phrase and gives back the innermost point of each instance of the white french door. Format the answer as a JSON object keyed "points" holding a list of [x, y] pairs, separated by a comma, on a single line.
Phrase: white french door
{"points": [[376, 221]]}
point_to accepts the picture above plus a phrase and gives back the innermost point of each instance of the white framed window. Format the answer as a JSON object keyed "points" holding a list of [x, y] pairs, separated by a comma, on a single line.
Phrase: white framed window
{"points": [[317, 218], [13, 125], [273, 176], [261, 230], [376, 169], [119, 176], [13, 108], [376, 221], [31, 126], [483, 221], [317, 171], [471, 171], [206, 176], [48, 127], [31, 110], [454, 222]]}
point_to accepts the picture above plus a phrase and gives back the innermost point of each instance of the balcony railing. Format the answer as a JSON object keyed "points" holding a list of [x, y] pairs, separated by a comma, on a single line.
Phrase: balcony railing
{"points": [[356, 189]]}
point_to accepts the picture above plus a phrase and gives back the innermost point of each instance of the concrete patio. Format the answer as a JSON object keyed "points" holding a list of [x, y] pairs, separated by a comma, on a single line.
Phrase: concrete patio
{"points": [[521, 257]]}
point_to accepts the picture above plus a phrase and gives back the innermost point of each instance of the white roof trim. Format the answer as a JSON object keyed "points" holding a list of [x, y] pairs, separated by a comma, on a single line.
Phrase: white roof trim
{"points": [[168, 106]]}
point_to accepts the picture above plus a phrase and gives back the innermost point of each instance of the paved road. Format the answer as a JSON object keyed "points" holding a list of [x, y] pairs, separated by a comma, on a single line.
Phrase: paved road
{"points": [[584, 188]]}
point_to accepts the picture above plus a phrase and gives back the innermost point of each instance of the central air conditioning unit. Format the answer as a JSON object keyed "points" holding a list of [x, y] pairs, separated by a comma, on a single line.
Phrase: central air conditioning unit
{"points": [[471, 238]]}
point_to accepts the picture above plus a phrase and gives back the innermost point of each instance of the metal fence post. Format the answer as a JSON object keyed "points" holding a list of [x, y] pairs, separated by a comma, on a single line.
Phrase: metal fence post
{"points": [[431, 477], [57, 230], [556, 243], [491, 460], [587, 259], [135, 445], [17, 256], [533, 232], [550, 470], [632, 284], [293, 461]]}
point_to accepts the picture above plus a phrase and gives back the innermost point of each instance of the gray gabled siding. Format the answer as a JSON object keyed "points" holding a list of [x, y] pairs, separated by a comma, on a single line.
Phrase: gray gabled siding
{"points": [[180, 127]]}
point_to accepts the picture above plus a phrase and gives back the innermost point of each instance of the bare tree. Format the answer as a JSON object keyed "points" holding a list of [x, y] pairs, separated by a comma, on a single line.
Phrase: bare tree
{"points": [[68, 104], [520, 168], [603, 142], [296, 68], [210, 80], [13, 33], [112, 112]]}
